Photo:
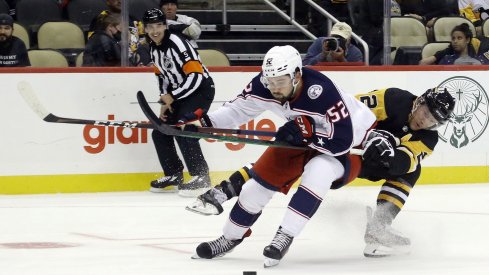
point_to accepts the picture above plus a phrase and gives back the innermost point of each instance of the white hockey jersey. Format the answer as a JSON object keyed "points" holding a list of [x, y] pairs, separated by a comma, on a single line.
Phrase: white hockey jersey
{"points": [[341, 120]]}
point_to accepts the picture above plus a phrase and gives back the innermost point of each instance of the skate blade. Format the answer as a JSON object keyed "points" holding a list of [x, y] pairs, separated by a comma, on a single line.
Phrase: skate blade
{"points": [[169, 189], [380, 251], [192, 193], [269, 262], [196, 257], [201, 211]]}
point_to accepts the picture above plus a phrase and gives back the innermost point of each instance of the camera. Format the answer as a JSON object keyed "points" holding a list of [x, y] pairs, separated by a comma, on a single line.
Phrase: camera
{"points": [[334, 43]]}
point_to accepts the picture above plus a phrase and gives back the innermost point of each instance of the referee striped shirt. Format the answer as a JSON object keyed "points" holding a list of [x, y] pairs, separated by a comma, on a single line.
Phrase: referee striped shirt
{"points": [[178, 66]]}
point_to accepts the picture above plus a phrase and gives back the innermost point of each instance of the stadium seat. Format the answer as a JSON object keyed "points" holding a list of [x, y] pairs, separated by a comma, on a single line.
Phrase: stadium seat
{"points": [[23, 34], [47, 58], [82, 12], [485, 28], [137, 8], [79, 60], [407, 32], [4, 8], [33, 13], [60, 35], [443, 26], [213, 57], [430, 49]]}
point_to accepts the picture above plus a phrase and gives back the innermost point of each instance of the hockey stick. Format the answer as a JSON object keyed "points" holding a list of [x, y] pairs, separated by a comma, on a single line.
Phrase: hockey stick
{"points": [[169, 130], [32, 100]]}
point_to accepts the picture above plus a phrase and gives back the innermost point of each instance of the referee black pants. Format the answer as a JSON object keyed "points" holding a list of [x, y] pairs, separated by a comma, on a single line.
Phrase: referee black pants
{"points": [[189, 147]]}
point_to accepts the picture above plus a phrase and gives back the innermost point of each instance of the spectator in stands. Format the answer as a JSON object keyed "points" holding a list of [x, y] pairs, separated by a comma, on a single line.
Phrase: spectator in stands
{"points": [[103, 47], [13, 52], [337, 48], [179, 23], [470, 9], [479, 46], [463, 54], [136, 32]]}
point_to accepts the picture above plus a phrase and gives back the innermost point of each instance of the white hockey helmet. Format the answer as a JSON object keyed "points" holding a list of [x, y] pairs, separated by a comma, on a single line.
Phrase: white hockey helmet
{"points": [[281, 60]]}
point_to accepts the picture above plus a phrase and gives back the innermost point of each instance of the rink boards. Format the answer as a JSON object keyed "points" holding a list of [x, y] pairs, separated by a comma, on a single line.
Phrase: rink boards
{"points": [[41, 157]]}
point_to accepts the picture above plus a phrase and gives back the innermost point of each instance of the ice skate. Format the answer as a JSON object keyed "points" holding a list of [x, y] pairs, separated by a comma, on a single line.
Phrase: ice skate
{"points": [[218, 247], [382, 240], [166, 184], [195, 186], [277, 249], [208, 203]]}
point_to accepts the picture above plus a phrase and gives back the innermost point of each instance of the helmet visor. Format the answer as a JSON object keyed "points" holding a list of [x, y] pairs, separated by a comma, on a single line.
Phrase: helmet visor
{"points": [[276, 82]]}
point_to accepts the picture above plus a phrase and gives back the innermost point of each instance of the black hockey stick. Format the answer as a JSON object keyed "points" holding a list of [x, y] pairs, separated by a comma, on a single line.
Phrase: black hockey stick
{"points": [[169, 130], [32, 100]]}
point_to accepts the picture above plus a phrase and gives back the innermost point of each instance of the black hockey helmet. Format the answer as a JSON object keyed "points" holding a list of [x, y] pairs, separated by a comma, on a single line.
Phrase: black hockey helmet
{"points": [[440, 103], [154, 15]]}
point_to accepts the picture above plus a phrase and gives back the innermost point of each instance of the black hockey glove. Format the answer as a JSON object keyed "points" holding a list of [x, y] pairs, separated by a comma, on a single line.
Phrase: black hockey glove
{"points": [[379, 152], [198, 118], [380, 133], [297, 132]]}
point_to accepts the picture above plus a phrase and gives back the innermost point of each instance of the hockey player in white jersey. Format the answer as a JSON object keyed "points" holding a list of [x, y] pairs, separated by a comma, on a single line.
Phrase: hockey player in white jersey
{"points": [[320, 117]]}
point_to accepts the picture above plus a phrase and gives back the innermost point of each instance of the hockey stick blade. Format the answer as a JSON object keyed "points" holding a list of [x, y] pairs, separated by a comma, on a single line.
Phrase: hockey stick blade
{"points": [[27, 93], [171, 131]]}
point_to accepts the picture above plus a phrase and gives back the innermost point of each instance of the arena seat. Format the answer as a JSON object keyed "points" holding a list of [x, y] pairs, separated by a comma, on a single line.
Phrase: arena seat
{"points": [[47, 58], [430, 49], [33, 13], [443, 26], [82, 12], [213, 57], [23, 34]]}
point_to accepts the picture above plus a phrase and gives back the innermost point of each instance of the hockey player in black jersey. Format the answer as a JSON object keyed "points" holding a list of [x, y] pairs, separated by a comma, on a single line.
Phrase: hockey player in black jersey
{"points": [[409, 122]]}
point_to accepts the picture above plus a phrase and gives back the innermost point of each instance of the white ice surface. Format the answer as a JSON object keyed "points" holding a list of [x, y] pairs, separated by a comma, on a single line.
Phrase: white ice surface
{"points": [[145, 233]]}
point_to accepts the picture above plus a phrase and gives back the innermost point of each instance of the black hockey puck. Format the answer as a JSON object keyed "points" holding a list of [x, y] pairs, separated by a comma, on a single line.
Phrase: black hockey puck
{"points": [[249, 272]]}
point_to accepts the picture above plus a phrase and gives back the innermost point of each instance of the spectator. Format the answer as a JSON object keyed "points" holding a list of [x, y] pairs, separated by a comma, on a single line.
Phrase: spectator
{"points": [[337, 48], [13, 52], [470, 9], [136, 32], [103, 47], [179, 23], [463, 54]]}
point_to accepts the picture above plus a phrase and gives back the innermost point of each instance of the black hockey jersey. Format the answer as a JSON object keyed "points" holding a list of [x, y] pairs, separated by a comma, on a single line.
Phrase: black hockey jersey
{"points": [[392, 108]]}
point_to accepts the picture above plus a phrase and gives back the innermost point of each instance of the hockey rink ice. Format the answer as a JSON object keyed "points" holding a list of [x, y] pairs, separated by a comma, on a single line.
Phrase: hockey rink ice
{"points": [[145, 233]]}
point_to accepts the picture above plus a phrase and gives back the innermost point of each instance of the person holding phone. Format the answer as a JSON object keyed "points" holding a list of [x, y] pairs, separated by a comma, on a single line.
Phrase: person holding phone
{"points": [[335, 48]]}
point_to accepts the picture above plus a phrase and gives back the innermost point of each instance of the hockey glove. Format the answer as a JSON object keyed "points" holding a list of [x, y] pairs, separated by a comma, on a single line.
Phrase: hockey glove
{"points": [[381, 133], [297, 132], [198, 118], [379, 152]]}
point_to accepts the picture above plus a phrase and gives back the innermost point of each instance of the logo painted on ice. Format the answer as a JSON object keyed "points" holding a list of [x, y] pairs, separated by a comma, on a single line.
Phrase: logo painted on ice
{"points": [[314, 91], [470, 116]]}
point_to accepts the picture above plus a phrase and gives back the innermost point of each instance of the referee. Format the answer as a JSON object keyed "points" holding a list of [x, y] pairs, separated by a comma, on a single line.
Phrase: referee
{"points": [[185, 85]]}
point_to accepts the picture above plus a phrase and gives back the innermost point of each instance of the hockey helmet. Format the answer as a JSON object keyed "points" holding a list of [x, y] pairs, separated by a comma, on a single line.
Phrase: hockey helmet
{"points": [[281, 60], [440, 103], [154, 15]]}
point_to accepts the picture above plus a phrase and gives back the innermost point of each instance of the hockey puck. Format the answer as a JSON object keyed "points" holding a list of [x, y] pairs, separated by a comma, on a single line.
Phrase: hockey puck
{"points": [[249, 272]]}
